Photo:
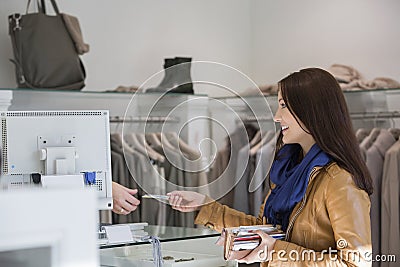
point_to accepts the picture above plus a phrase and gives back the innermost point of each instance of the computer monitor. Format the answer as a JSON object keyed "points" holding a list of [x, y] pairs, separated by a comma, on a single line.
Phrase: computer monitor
{"points": [[57, 149]]}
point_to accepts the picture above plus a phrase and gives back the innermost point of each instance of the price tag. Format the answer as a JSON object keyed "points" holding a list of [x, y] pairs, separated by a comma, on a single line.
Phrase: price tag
{"points": [[118, 234]]}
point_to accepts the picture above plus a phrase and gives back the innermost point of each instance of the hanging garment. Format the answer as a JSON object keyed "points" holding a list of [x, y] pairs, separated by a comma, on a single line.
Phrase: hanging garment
{"points": [[152, 210], [374, 160], [367, 142], [195, 176], [121, 171], [243, 168], [237, 140], [130, 182], [174, 176], [361, 134], [131, 140], [162, 218], [122, 175], [246, 167], [395, 132], [219, 165], [390, 205], [117, 166], [190, 179], [264, 159], [117, 163]]}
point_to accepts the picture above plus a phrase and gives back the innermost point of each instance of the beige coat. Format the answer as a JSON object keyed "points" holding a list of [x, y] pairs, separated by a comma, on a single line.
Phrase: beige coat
{"points": [[390, 205], [374, 160]]}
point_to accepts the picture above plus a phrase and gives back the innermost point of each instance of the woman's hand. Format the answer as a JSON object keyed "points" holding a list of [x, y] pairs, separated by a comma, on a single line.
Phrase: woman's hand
{"points": [[123, 200], [186, 201], [263, 252]]}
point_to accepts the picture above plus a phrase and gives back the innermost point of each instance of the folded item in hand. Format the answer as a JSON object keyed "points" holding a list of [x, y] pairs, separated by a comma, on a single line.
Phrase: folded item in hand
{"points": [[240, 241]]}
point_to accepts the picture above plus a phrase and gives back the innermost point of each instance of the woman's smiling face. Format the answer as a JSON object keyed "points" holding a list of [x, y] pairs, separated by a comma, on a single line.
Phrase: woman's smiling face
{"points": [[291, 130]]}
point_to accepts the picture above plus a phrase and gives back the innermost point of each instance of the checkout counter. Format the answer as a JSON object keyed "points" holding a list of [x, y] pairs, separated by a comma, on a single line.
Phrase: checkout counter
{"points": [[180, 246]]}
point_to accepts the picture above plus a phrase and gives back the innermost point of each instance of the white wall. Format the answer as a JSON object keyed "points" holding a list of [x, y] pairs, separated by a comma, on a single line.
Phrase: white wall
{"points": [[289, 35], [129, 39], [265, 39]]}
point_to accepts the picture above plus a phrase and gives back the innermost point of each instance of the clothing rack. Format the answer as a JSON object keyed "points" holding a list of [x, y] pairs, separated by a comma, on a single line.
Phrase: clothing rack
{"points": [[375, 115], [355, 116], [254, 119], [141, 119]]}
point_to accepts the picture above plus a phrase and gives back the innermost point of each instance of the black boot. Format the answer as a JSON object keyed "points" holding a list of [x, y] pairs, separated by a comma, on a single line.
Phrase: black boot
{"points": [[177, 78], [183, 65]]}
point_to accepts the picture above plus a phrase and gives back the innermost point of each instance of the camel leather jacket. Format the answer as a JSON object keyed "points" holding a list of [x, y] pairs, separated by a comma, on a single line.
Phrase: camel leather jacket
{"points": [[329, 227]]}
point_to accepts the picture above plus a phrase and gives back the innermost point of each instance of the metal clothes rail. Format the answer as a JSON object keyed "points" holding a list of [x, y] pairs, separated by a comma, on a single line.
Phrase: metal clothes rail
{"points": [[143, 119], [375, 115], [355, 116]]}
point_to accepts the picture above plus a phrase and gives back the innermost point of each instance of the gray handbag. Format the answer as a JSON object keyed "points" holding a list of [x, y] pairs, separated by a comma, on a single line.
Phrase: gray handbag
{"points": [[45, 55]]}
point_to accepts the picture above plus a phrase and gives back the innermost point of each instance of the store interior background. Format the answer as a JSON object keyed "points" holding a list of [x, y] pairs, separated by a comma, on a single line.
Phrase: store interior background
{"points": [[264, 39]]}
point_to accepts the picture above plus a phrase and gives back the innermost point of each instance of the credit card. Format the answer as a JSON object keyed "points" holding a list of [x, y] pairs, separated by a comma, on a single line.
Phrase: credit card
{"points": [[163, 197]]}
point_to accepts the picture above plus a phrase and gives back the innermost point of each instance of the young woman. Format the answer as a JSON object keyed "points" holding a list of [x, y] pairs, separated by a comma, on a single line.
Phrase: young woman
{"points": [[320, 184]]}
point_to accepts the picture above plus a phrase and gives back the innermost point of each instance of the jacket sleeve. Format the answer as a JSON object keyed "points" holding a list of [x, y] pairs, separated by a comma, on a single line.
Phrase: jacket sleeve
{"points": [[348, 208], [217, 216]]}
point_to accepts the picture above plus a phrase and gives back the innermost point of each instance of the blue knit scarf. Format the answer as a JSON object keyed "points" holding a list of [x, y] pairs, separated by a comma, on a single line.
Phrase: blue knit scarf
{"points": [[291, 179]]}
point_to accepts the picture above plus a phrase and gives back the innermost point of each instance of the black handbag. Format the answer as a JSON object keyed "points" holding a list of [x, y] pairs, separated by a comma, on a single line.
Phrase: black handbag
{"points": [[45, 56]]}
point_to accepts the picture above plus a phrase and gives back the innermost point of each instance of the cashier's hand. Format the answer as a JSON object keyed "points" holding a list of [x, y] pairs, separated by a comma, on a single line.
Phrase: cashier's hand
{"points": [[123, 200], [186, 201], [263, 252]]}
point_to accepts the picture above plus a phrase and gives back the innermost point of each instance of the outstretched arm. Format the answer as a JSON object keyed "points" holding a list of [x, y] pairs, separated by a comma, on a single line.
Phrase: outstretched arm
{"points": [[123, 199]]}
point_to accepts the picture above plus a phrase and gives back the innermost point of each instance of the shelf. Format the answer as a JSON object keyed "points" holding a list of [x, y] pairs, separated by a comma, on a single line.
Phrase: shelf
{"points": [[118, 103], [385, 91], [358, 101], [92, 92]]}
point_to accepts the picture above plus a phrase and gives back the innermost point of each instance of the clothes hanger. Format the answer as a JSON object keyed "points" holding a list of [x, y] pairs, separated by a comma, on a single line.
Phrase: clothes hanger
{"points": [[141, 138], [254, 184], [153, 140], [134, 143], [361, 133], [374, 134], [130, 140], [395, 132], [181, 145], [266, 138], [164, 141], [256, 138], [115, 136]]}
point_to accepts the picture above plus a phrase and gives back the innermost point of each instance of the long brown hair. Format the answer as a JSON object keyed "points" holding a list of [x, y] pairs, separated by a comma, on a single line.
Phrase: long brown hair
{"points": [[314, 97]]}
